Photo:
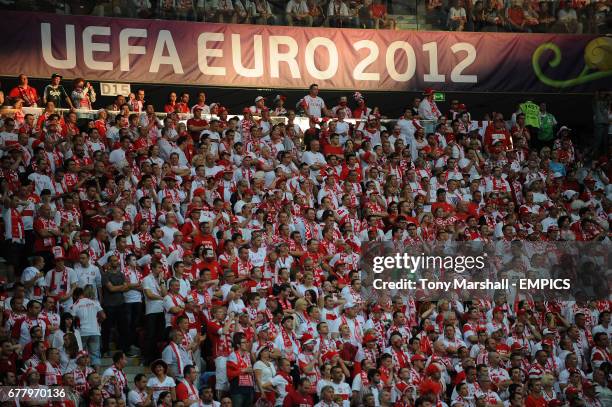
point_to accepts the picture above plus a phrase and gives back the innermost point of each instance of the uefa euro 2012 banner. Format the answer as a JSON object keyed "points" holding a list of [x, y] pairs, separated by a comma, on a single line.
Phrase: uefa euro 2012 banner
{"points": [[209, 54]]}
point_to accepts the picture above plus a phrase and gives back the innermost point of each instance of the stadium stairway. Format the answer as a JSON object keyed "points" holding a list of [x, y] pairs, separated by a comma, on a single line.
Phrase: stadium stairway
{"points": [[131, 370]]}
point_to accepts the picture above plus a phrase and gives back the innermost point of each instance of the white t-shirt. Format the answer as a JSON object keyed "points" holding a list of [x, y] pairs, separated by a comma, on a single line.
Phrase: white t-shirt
{"points": [[152, 306], [135, 397], [70, 279], [257, 258], [89, 275], [170, 302], [315, 105], [267, 372], [28, 274], [280, 383], [166, 385], [345, 391], [86, 310], [311, 158]]}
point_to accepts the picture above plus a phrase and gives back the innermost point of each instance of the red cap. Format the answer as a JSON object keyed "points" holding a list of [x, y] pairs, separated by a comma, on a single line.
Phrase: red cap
{"points": [[547, 342], [571, 390], [517, 346], [416, 357], [377, 308], [430, 328], [428, 91], [503, 348], [329, 355], [497, 309], [369, 338], [432, 369], [306, 339]]}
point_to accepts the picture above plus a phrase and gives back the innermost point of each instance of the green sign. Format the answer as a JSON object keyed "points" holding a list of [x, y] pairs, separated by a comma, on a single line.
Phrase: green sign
{"points": [[439, 97]]}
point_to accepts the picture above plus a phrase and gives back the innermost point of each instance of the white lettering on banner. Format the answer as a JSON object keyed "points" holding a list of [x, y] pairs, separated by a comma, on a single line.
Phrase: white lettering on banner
{"points": [[410, 57], [358, 72], [164, 40], [309, 58], [125, 49], [213, 55], [258, 67], [89, 47], [204, 53], [432, 50], [276, 57], [45, 39], [456, 74]]}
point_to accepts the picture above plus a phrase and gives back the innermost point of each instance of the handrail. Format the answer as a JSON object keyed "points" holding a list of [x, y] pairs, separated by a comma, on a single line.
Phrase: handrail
{"points": [[303, 122]]}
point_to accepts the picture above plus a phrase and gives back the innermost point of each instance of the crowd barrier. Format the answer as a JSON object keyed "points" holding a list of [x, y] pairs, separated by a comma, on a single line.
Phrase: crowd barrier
{"points": [[302, 122]]}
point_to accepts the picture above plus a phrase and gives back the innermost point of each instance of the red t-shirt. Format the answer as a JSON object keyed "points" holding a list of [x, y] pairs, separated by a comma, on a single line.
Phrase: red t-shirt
{"points": [[378, 10], [295, 398], [195, 135]]}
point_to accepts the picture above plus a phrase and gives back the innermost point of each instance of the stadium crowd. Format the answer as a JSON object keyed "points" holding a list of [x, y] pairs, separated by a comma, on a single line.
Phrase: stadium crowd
{"points": [[231, 245], [565, 16]]}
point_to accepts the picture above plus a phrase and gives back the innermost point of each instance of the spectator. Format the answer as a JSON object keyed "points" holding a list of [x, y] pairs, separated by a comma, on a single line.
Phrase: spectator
{"points": [[493, 18], [546, 18], [167, 9], [457, 17], [315, 10], [381, 17], [364, 14], [220, 11], [515, 16], [428, 110], [83, 95], [338, 14], [263, 13], [56, 93], [297, 12], [436, 14], [185, 10], [23, 91], [245, 11], [568, 20]]}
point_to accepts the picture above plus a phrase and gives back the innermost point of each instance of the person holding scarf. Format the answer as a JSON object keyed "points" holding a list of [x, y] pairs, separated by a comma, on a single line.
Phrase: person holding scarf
{"points": [[428, 110], [186, 390], [61, 281], [287, 341], [240, 373]]}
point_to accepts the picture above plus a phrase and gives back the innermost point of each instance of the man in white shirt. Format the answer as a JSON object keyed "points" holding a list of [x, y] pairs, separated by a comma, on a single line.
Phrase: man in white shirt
{"points": [[314, 105], [175, 355], [8, 136], [40, 179], [428, 110], [89, 312], [338, 14], [88, 274], [154, 292], [297, 13], [341, 388], [314, 159], [117, 156], [33, 279]]}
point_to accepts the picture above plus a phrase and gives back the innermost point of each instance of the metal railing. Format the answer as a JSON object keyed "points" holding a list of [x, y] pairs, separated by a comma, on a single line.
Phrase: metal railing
{"points": [[595, 18], [302, 122]]}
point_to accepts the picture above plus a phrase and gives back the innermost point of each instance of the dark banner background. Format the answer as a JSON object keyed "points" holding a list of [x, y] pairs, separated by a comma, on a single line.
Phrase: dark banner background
{"points": [[475, 62]]}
